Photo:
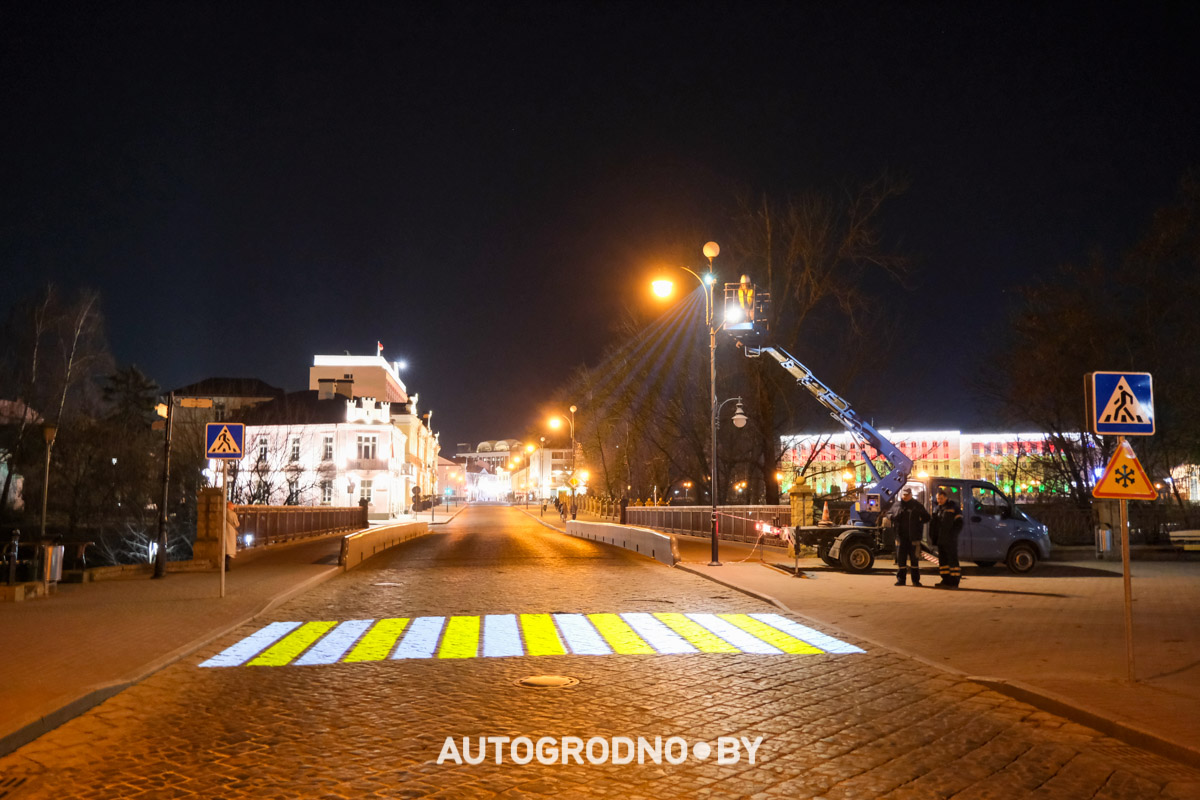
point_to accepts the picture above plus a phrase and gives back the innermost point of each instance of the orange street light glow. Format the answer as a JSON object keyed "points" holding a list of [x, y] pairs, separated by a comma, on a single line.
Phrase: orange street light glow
{"points": [[662, 287]]}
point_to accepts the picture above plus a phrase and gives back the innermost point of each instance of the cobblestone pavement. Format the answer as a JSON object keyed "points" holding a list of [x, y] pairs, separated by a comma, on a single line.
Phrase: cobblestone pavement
{"points": [[865, 725]]}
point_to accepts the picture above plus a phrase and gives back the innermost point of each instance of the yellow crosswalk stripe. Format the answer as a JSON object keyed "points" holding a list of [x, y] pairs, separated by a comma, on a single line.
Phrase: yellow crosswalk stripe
{"points": [[772, 636], [703, 639], [292, 645], [378, 642], [461, 639], [619, 635], [541, 637]]}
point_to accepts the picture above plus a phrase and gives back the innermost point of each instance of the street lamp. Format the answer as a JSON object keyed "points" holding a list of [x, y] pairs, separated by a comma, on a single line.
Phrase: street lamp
{"points": [[662, 288], [554, 423], [528, 472], [49, 430]]}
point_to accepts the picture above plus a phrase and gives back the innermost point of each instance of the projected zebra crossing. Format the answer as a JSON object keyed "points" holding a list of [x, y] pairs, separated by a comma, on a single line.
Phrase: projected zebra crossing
{"points": [[510, 635]]}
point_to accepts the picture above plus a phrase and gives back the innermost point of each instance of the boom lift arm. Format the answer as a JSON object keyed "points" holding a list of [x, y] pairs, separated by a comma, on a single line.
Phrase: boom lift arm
{"points": [[889, 485]]}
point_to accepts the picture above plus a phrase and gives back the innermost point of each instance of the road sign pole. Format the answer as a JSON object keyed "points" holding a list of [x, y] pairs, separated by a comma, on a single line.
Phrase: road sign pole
{"points": [[1127, 580], [224, 518]]}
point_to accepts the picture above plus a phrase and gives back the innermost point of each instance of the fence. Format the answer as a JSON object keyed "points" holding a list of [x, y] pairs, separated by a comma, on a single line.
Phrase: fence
{"points": [[734, 523], [263, 525]]}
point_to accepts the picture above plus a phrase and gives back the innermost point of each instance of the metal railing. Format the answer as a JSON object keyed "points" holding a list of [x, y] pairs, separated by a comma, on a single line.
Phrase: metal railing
{"points": [[263, 525], [734, 523]]}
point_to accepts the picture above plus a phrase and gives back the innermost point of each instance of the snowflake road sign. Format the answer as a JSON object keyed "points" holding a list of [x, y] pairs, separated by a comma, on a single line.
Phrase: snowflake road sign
{"points": [[1124, 479]]}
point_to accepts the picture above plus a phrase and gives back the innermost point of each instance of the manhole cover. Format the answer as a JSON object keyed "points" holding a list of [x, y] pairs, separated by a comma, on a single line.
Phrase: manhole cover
{"points": [[547, 681]]}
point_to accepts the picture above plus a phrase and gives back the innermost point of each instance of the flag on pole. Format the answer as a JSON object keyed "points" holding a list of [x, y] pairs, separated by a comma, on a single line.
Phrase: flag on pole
{"points": [[378, 348]]}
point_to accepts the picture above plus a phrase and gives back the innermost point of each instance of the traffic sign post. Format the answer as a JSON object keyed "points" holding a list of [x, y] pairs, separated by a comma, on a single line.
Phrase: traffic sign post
{"points": [[225, 441], [1122, 404], [1125, 480]]}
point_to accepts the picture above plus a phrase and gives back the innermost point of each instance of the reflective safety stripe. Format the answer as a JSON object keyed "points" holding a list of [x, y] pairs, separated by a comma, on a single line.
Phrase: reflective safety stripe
{"points": [[660, 637], [379, 641], [581, 637], [618, 634], [254, 643], [461, 639], [813, 637], [772, 636], [501, 636], [421, 639], [293, 645], [705, 640], [331, 648], [734, 635], [541, 637]]}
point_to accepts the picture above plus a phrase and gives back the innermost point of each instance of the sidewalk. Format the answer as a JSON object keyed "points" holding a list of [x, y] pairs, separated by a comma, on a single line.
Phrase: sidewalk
{"points": [[121, 631], [1054, 639]]}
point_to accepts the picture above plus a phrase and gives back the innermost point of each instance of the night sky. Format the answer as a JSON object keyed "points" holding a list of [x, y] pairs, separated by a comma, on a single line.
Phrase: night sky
{"points": [[484, 187]]}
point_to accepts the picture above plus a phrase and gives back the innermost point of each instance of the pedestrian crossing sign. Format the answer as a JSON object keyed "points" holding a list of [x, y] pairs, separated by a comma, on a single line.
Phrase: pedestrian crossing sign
{"points": [[1121, 403], [224, 440], [1124, 479]]}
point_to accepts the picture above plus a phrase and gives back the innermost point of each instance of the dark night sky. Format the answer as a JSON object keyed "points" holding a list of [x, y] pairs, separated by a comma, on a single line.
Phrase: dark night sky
{"points": [[482, 187]]}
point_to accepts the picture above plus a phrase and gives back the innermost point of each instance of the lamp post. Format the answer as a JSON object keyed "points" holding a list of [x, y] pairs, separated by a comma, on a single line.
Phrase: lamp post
{"points": [[49, 431], [554, 423], [662, 288]]}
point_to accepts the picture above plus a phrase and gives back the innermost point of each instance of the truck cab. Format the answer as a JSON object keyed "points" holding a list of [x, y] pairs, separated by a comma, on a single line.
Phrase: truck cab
{"points": [[994, 529]]}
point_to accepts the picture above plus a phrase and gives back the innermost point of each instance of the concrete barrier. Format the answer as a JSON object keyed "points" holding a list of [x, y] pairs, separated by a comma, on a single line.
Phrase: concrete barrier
{"points": [[358, 547], [640, 540]]}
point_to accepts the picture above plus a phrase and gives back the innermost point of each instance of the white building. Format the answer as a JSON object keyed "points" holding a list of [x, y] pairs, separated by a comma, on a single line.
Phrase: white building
{"points": [[337, 444], [335, 451]]}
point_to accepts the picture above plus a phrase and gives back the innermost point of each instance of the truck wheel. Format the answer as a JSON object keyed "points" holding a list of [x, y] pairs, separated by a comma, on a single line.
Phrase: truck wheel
{"points": [[823, 552], [1022, 558], [857, 557]]}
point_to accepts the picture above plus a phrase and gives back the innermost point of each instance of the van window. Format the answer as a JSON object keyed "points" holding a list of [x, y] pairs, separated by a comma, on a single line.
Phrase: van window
{"points": [[986, 500]]}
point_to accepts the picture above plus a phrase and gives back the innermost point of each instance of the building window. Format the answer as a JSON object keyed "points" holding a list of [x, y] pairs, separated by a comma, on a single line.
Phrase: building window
{"points": [[293, 495], [364, 491], [326, 493], [366, 446], [262, 448], [294, 455], [219, 412], [327, 449]]}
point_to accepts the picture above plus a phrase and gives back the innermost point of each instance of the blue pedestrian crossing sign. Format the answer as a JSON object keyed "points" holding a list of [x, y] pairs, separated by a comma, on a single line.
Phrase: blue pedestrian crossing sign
{"points": [[1121, 403], [224, 440]]}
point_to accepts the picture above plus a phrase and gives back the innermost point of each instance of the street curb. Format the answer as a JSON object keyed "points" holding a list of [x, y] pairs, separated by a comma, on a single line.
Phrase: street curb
{"points": [[96, 695], [766, 598], [1045, 701], [1056, 704]]}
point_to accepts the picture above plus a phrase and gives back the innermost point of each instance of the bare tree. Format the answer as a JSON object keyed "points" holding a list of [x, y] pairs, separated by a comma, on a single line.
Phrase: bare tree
{"points": [[823, 259]]}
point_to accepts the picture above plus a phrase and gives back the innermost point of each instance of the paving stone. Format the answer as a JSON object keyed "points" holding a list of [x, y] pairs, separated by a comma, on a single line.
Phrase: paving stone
{"points": [[849, 726]]}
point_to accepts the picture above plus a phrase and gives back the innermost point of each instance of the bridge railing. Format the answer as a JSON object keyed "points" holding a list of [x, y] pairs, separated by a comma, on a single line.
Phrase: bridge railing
{"points": [[263, 525], [734, 523]]}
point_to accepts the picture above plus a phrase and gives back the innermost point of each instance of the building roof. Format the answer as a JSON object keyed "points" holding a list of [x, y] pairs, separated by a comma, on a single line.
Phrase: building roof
{"points": [[297, 408], [229, 387]]}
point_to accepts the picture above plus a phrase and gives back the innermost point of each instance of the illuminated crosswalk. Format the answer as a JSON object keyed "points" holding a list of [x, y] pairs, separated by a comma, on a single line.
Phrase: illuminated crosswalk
{"points": [[510, 635]]}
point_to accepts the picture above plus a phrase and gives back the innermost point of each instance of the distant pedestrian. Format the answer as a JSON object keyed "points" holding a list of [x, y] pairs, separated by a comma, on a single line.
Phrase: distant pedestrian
{"points": [[543, 508], [231, 535], [908, 519], [943, 533], [574, 507]]}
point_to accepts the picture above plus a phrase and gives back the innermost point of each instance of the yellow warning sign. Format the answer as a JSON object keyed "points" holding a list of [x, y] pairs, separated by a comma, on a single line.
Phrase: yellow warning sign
{"points": [[1124, 479]]}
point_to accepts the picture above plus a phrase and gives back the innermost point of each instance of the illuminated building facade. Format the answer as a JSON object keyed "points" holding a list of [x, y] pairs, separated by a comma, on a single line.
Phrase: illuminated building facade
{"points": [[832, 463]]}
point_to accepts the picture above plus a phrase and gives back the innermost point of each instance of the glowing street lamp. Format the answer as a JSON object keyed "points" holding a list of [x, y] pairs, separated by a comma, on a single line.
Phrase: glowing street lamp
{"points": [[556, 422], [662, 288]]}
